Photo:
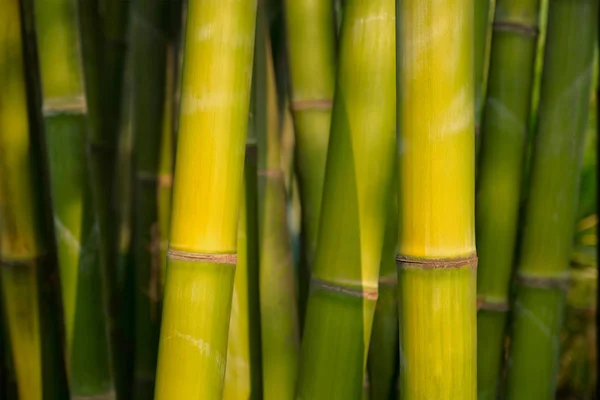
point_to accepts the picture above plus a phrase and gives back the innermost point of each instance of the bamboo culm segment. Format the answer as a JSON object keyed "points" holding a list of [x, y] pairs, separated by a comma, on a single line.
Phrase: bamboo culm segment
{"points": [[243, 374], [21, 242], [481, 36], [383, 350], [357, 187], [149, 47], [552, 203], [311, 51], [505, 129], [280, 336], [206, 199], [436, 171], [65, 122]]}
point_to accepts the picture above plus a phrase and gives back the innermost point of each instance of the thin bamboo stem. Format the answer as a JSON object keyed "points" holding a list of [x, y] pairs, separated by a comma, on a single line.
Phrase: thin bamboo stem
{"points": [[436, 247], [278, 309], [149, 39], [311, 45], [65, 122], [358, 178], [552, 203], [206, 199], [505, 129], [382, 363]]}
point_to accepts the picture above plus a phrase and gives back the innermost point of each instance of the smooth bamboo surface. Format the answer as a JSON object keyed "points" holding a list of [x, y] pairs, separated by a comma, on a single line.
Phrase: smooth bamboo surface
{"points": [[481, 36], [312, 60], [505, 129], [358, 179], [280, 336], [436, 271], [65, 121], [552, 202], [206, 198]]}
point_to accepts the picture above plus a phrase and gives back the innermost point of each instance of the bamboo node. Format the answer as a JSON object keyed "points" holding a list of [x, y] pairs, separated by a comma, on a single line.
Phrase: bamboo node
{"points": [[407, 262], [499, 306], [312, 104], [163, 180], [227, 258], [21, 262], [64, 105], [390, 280], [544, 282], [517, 27], [104, 396], [319, 284], [271, 173]]}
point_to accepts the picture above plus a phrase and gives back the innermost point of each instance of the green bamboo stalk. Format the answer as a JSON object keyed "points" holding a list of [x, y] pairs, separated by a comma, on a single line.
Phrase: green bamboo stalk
{"points": [[505, 129], [65, 122], [206, 199], [383, 350], [481, 36], [358, 178], [149, 47], [278, 309], [311, 53], [552, 204], [26, 267], [436, 172], [243, 375]]}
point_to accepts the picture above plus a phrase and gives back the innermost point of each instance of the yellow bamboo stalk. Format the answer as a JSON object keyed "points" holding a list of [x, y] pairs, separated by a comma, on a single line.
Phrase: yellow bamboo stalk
{"points": [[206, 198], [436, 272]]}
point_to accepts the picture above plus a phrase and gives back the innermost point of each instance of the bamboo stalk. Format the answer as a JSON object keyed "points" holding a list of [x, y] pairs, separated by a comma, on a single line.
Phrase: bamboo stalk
{"points": [[26, 268], [206, 199], [149, 38], [65, 122], [278, 309], [436, 256], [311, 52], [481, 36], [552, 204], [243, 375], [357, 187], [383, 349], [504, 137]]}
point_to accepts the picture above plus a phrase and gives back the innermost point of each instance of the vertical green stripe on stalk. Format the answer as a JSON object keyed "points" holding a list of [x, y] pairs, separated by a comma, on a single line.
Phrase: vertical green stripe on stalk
{"points": [[243, 375], [505, 129], [280, 343], [206, 198], [311, 39], [149, 47], [383, 349], [436, 174], [65, 123], [552, 203], [481, 36], [21, 242], [357, 187]]}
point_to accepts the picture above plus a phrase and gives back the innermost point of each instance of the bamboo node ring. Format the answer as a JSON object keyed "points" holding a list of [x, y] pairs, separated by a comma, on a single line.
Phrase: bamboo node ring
{"points": [[499, 306], [223, 258], [407, 262], [312, 104], [544, 282], [507, 26]]}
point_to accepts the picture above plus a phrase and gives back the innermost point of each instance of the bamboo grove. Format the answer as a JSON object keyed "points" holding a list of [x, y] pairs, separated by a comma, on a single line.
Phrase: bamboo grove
{"points": [[298, 199]]}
